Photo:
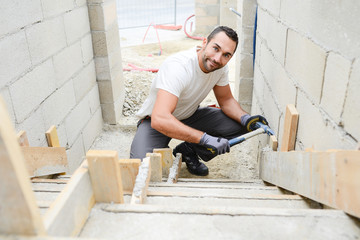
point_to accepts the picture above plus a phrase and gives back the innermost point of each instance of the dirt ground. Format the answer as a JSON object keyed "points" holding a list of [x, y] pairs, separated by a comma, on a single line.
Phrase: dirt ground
{"points": [[238, 164]]}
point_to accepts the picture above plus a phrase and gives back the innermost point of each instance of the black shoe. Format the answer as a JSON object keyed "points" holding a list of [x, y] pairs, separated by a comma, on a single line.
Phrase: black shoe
{"points": [[191, 159]]}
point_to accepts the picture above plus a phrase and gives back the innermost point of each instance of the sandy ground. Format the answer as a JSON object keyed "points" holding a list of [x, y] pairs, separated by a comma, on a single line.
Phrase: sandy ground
{"points": [[238, 164]]}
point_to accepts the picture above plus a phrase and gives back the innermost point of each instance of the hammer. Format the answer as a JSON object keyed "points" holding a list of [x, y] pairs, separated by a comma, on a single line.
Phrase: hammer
{"points": [[207, 154]]}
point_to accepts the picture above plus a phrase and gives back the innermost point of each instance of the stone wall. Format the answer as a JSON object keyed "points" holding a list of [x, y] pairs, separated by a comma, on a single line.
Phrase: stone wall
{"points": [[48, 75], [307, 54]]}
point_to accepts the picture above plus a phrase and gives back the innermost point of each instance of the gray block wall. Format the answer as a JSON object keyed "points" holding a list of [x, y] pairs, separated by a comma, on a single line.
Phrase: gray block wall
{"points": [[308, 54], [48, 73]]}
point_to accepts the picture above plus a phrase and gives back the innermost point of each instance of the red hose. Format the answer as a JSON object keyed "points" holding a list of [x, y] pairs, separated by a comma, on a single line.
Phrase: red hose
{"points": [[188, 35]]}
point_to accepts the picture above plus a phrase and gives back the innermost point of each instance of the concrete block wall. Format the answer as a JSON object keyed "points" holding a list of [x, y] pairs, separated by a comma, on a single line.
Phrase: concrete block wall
{"points": [[207, 16], [308, 54], [47, 72]]}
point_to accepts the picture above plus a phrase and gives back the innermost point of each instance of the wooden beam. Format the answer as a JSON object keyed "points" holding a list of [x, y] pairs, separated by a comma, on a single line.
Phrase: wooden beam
{"points": [[52, 137], [69, 212], [41, 161], [142, 182], [129, 170], [331, 178], [156, 167], [166, 159], [273, 143], [22, 139], [175, 169], [290, 128], [19, 212], [105, 176]]}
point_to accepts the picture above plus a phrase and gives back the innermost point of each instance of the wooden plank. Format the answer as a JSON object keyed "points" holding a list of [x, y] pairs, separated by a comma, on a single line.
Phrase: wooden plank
{"points": [[290, 128], [50, 180], [42, 161], [156, 166], [166, 159], [331, 178], [175, 169], [52, 137], [142, 182], [22, 139], [129, 170], [273, 143], [19, 212], [105, 176], [69, 212]]}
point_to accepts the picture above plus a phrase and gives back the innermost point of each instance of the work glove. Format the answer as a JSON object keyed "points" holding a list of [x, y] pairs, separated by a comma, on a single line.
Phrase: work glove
{"points": [[215, 145], [250, 121]]}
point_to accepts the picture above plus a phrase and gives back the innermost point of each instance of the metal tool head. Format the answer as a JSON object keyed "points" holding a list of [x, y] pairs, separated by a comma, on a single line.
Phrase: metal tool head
{"points": [[266, 128]]}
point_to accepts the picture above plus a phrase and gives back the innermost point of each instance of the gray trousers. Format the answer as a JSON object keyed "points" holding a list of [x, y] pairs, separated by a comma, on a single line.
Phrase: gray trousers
{"points": [[207, 119]]}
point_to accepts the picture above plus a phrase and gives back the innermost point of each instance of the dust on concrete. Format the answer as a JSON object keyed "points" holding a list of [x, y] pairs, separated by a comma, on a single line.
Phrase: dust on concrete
{"points": [[238, 164]]}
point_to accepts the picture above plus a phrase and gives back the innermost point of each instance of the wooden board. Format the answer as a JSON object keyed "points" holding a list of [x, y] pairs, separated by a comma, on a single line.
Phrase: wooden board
{"points": [[19, 212], [42, 161], [331, 178], [290, 128], [129, 170], [22, 139], [166, 159], [273, 143], [52, 137], [69, 212], [105, 176], [156, 167]]}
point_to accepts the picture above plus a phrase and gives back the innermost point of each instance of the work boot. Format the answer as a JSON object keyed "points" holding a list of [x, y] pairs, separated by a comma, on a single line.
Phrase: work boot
{"points": [[191, 159]]}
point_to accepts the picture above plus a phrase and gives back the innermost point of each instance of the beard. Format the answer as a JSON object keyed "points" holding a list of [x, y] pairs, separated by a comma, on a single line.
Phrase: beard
{"points": [[209, 64]]}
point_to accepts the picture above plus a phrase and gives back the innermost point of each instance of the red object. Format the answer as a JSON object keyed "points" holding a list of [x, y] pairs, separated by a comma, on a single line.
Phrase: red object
{"points": [[192, 37]]}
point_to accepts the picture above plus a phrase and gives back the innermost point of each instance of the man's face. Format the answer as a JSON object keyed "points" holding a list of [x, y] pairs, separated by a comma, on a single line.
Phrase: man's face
{"points": [[216, 53]]}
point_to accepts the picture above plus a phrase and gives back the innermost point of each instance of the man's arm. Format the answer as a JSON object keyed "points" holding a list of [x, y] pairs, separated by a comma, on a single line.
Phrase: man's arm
{"points": [[227, 103], [163, 121]]}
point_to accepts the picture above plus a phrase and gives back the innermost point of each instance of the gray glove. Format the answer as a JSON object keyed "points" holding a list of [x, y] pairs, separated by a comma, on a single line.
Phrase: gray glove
{"points": [[215, 143]]}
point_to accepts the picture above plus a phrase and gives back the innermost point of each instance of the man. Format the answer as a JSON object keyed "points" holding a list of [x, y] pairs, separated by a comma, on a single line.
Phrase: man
{"points": [[172, 107]]}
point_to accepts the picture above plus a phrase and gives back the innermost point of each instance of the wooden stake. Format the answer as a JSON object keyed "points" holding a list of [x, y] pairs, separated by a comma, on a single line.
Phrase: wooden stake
{"points": [[273, 142], [52, 137], [19, 212], [129, 170], [142, 182], [166, 159], [156, 167], [105, 176], [290, 128], [22, 139]]}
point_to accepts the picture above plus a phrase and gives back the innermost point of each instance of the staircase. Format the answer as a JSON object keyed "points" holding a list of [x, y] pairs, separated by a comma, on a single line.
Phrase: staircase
{"points": [[219, 209]]}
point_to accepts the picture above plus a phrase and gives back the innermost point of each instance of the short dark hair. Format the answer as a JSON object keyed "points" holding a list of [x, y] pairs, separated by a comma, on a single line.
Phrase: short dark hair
{"points": [[228, 31]]}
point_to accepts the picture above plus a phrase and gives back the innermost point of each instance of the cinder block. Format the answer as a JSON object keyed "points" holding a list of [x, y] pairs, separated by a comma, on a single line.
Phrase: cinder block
{"points": [[14, 15], [67, 63], [102, 16], [76, 120], [106, 42], [75, 155], [76, 24], [258, 84], [92, 129], [45, 39], [351, 113], [110, 90], [246, 40], [4, 93], [36, 85], [84, 81], [108, 67], [248, 11], [246, 89], [314, 131], [112, 112], [246, 66], [52, 8], [34, 126], [273, 6], [274, 32], [207, 2], [87, 49], [305, 61], [271, 109], [14, 51], [335, 83], [334, 28], [80, 3], [281, 84], [94, 99], [209, 20], [59, 104], [61, 131]]}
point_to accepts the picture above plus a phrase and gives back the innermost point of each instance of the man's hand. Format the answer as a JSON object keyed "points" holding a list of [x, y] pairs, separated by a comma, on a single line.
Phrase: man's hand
{"points": [[215, 143], [250, 121]]}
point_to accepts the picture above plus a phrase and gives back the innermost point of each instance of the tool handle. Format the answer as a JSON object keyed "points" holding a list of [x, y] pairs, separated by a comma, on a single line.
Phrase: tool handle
{"points": [[242, 138]]}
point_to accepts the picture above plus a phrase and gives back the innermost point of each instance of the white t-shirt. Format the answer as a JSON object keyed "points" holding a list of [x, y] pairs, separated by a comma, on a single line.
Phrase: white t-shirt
{"points": [[181, 75]]}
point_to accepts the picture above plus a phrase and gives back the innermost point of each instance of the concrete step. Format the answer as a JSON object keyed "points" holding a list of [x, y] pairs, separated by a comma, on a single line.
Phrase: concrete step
{"points": [[124, 221]]}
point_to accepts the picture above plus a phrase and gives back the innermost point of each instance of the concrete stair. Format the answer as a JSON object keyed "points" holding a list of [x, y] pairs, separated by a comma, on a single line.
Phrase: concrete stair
{"points": [[219, 209]]}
